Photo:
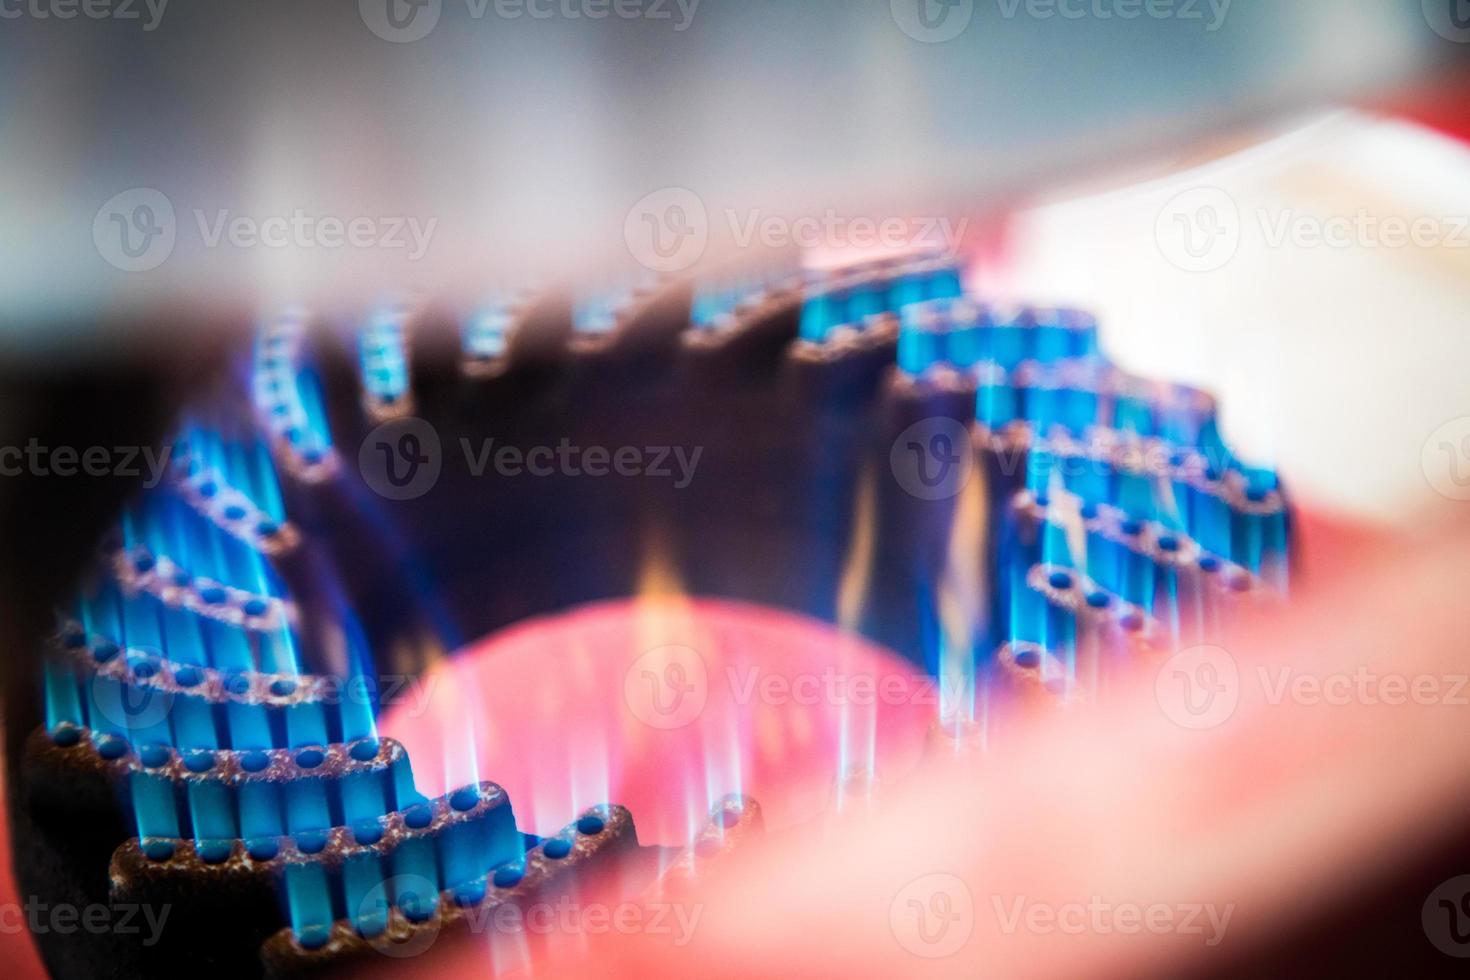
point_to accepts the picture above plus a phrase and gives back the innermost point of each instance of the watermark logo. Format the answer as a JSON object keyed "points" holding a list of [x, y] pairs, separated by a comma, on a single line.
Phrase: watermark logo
{"points": [[931, 459], [1202, 229], [1362, 686], [400, 21], [1446, 917], [670, 229], [1199, 230], [932, 21], [1198, 687], [403, 21], [667, 687], [933, 916], [1450, 19], [418, 898], [667, 231], [401, 459], [1445, 459], [135, 230], [133, 707]]}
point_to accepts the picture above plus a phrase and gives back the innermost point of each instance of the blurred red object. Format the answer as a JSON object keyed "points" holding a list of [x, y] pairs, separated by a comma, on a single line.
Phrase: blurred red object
{"points": [[664, 705]]}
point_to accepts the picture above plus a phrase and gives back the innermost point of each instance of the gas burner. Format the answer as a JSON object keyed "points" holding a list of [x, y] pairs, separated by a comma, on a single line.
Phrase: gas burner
{"points": [[651, 552]]}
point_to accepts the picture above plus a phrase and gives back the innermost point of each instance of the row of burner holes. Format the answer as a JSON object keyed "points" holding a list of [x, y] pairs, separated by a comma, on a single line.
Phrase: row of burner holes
{"points": [[276, 362], [509, 875], [209, 489], [143, 666], [1167, 543], [1212, 476], [214, 595], [279, 407], [365, 833], [1133, 620], [471, 893], [200, 761]]}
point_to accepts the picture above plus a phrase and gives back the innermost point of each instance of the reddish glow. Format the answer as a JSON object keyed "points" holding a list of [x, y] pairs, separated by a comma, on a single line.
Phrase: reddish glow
{"points": [[1289, 814], [665, 705]]}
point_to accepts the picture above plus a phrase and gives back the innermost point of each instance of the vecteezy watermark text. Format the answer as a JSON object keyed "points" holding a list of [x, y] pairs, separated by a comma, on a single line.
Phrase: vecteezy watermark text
{"points": [[937, 21], [65, 919], [402, 459], [1098, 916], [1210, 13], [831, 686], [568, 917], [1203, 228], [679, 12], [126, 462], [149, 12], [1200, 687], [676, 921], [1363, 686], [301, 229], [565, 459], [832, 229], [136, 230], [669, 687], [668, 230]]}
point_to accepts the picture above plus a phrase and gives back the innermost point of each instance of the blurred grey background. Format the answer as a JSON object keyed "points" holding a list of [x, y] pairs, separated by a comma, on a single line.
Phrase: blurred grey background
{"points": [[520, 133]]}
